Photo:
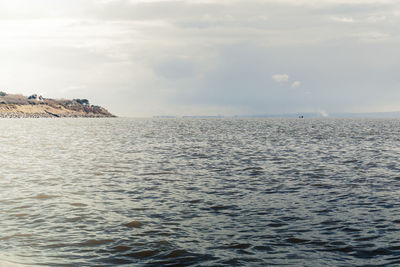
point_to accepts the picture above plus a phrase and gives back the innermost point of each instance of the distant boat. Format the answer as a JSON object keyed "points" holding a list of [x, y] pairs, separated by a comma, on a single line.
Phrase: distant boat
{"points": [[301, 117]]}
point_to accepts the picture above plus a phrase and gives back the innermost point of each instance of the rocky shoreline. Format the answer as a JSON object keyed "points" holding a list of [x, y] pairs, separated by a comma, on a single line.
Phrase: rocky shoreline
{"points": [[19, 106]]}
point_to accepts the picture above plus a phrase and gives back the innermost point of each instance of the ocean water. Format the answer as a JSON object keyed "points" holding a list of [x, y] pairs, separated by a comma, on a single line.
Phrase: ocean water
{"points": [[200, 192]]}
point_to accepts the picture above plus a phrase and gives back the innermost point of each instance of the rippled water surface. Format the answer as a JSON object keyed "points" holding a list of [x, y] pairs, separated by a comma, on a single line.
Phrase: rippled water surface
{"points": [[215, 192]]}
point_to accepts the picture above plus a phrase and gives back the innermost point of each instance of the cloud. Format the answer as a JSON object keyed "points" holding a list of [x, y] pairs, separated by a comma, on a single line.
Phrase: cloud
{"points": [[296, 84], [280, 78], [343, 19], [376, 18], [176, 68], [138, 57]]}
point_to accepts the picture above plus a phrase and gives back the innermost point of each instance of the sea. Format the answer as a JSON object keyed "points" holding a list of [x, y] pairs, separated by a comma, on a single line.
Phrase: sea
{"points": [[199, 192]]}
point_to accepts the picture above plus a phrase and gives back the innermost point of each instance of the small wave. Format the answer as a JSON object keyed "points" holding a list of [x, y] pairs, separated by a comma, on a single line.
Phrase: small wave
{"points": [[294, 240], [351, 161], [218, 208], [349, 229], [176, 253], [77, 204], [121, 248], [162, 243], [372, 253], [21, 207], [20, 215], [238, 246], [134, 224], [323, 186], [155, 173], [323, 211], [263, 248], [368, 238], [10, 264], [252, 169], [256, 173], [346, 249], [117, 261], [75, 219], [330, 222], [142, 254], [277, 225], [15, 235], [57, 245], [44, 196], [95, 242]]}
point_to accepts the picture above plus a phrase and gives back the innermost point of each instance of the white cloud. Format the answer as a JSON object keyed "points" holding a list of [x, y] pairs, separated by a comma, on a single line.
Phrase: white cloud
{"points": [[343, 19], [296, 84], [280, 78], [376, 18], [369, 37]]}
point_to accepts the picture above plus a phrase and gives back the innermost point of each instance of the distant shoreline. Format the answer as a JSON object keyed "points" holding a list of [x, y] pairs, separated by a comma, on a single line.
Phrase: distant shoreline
{"points": [[48, 116], [369, 115], [19, 106]]}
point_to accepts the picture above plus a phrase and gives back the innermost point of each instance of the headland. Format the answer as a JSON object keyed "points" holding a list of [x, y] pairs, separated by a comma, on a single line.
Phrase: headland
{"points": [[34, 106]]}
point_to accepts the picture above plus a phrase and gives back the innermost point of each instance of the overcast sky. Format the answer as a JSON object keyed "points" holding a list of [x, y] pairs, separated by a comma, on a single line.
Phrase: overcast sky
{"points": [[205, 57]]}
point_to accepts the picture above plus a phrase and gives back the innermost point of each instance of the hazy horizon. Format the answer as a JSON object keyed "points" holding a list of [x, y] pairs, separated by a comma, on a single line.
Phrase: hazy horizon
{"points": [[143, 58]]}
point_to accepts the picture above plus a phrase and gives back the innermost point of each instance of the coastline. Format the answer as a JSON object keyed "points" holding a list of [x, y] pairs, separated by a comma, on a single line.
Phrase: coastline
{"points": [[19, 106], [45, 115]]}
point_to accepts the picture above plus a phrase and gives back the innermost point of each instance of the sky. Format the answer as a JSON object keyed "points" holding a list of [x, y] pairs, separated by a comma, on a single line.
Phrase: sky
{"points": [[141, 58]]}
